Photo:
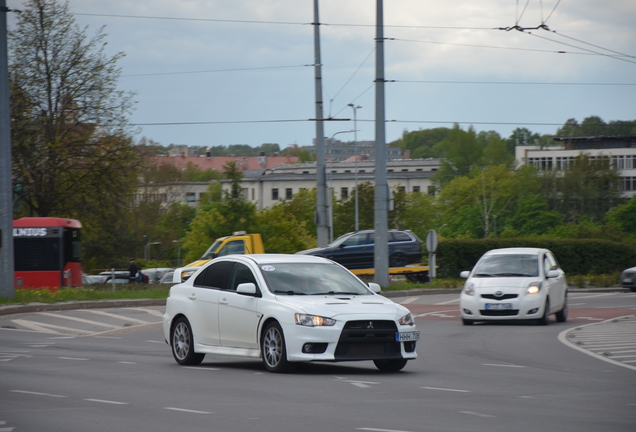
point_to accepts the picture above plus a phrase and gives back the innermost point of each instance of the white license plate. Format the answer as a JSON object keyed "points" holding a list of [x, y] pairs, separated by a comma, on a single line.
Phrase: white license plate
{"points": [[627, 280], [498, 306], [407, 337]]}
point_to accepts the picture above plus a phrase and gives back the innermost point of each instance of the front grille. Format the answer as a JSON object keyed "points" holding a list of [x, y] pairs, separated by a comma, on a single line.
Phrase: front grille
{"points": [[367, 340], [503, 297], [507, 312]]}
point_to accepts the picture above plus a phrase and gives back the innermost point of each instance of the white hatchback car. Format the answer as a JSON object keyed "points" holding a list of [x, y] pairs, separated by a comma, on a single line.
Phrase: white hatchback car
{"points": [[514, 284], [284, 309]]}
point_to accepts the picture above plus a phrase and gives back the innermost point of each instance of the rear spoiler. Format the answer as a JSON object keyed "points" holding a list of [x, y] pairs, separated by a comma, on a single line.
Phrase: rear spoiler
{"points": [[178, 277]]}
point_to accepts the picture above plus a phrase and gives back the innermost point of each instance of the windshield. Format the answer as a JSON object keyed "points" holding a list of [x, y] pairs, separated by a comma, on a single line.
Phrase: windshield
{"points": [[507, 266], [311, 279], [209, 254]]}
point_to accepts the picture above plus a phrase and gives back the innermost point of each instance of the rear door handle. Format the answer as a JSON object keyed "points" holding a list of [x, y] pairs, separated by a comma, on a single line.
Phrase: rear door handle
{"points": [[223, 301], [192, 296]]}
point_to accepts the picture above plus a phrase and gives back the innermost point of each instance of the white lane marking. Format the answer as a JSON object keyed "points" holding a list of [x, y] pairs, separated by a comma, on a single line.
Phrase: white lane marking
{"points": [[563, 338], [186, 410], [434, 313], [476, 414], [126, 362], [360, 384], [589, 318], [107, 401], [448, 302], [153, 341], [7, 429], [34, 326], [200, 368], [149, 311], [503, 365], [446, 389], [380, 430], [10, 356], [73, 358], [112, 315], [37, 393], [72, 318], [409, 300]]}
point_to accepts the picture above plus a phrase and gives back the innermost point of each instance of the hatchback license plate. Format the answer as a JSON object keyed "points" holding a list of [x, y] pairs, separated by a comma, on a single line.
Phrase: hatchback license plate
{"points": [[407, 337], [627, 280], [498, 306]]}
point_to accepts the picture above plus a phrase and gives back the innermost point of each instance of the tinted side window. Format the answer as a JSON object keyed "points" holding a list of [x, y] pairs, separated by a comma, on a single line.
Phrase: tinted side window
{"points": [[357, 240], [215, 276], [399, 236], [241, 274]]}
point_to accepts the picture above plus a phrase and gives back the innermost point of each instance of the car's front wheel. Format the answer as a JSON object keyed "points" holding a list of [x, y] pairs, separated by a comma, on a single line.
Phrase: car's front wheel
{"points": [[182, 343], [545, 319], [562, 315], [392, 365], [273, 349]]}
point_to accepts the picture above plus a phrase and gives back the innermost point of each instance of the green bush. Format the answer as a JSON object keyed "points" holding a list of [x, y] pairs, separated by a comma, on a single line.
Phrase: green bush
{"points": [[576, 257]]}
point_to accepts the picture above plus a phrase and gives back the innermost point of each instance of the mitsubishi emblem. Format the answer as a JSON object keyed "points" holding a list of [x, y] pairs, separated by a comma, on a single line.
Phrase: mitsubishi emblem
{"points": [[370, 325]]}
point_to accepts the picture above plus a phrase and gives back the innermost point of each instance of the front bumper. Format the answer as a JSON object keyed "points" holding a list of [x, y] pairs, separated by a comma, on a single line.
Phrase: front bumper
{"points": [[479, 308], [349, 340]]}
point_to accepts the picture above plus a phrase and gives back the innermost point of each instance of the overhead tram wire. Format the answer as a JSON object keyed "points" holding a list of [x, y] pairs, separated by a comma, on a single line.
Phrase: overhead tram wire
{"points": [[216, 70], [512, 83], [485, 46], [278, 22]]}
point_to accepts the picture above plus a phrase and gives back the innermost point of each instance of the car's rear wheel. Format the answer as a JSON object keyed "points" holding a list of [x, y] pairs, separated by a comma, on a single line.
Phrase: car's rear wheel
{"points": [[273, 349], [562, 315], [545, 319], [182, 343], [397, 260], [392, 365]]}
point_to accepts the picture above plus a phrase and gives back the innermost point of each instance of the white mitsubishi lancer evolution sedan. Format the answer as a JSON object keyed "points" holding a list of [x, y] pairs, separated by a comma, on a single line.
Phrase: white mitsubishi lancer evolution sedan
{"points": [[285, 309]]}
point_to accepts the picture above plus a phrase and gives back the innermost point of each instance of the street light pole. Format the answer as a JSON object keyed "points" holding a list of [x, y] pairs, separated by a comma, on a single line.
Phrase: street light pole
{"points": [[355, 152], [147, 250], [330, 190]]}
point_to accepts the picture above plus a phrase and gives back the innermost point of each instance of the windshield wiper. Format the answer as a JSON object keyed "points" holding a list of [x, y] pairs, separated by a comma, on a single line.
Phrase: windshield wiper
{"points": [[510, 274], [337, 293], [289, 292], [483, 275]]}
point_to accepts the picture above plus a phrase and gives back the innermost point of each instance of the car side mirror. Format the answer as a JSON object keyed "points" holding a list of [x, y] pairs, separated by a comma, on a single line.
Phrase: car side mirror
{"points": [[375, 287], [552, 274], [464, 274], [246, 288], [341, 246]]}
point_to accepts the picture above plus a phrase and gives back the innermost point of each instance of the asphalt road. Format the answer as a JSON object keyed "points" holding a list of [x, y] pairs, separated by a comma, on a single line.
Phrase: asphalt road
{"points": [[109, 369]]}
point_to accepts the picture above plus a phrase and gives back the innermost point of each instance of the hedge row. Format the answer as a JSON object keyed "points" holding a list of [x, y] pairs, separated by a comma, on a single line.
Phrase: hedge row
{"points": [[574, 256]]}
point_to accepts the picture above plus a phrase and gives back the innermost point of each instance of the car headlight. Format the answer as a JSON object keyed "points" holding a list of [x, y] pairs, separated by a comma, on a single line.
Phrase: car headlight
{"points": [[406, 320], [533, 288], [469, 289], [313, 320]]}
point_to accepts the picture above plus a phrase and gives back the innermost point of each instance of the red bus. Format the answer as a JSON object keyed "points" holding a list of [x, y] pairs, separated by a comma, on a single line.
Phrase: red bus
{"points": [[47, 252]]}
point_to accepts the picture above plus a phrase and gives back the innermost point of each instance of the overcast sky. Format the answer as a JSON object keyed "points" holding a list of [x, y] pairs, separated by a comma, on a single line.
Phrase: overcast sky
{"points": [[244, 67]]}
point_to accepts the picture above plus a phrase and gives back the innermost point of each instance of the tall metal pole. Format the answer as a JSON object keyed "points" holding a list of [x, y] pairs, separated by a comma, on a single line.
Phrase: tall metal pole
{"points": [[355, 155], [321, 181], [7, 290], [381, 248]]}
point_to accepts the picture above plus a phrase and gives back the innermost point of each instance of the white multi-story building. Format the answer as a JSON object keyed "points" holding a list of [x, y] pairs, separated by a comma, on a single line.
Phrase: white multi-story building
{"points": [[265, 187], [620, 150]]}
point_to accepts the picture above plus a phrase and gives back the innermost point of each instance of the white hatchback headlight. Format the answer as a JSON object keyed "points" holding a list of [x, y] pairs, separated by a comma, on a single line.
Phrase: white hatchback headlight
{"points": [[313, 320], [533, 288], [406, 320], [469, 289]]}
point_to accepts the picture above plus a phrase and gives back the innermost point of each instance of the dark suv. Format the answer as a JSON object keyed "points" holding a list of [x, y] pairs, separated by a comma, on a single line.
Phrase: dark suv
{"points": [[355, 250]]}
